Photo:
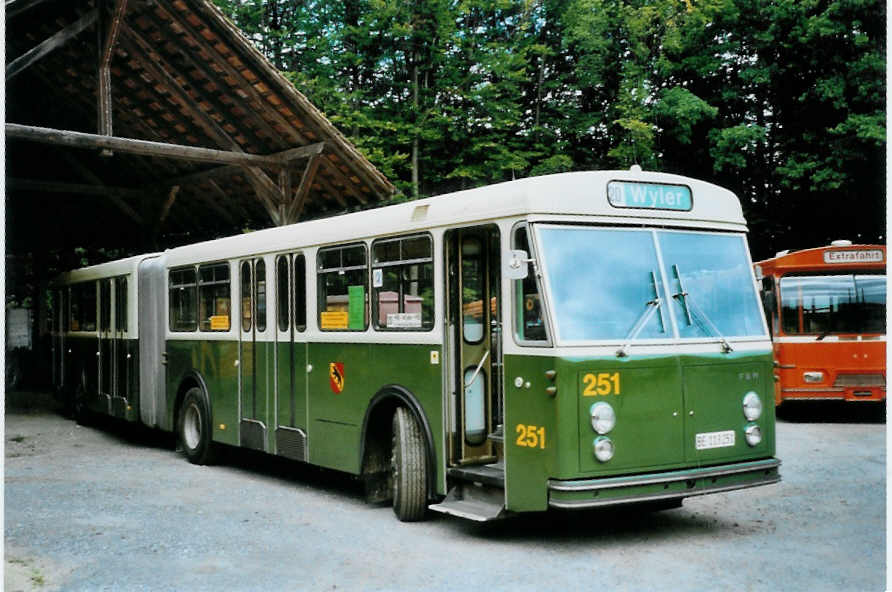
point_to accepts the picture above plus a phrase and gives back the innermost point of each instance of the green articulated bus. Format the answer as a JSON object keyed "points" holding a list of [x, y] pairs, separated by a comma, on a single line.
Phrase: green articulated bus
{"points": [[567, 341]]}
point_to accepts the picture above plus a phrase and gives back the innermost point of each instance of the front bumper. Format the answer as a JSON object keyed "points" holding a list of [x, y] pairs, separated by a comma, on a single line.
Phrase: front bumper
{"points": [[591, 493]]}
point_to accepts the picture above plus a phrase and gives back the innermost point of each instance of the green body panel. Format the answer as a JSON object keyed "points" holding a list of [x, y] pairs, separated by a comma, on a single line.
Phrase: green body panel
{"points": [[120, 397], [334, 428], [335, 419], [291, 372], [256, 368], [215, 362], [528, 467], [655, 430]]}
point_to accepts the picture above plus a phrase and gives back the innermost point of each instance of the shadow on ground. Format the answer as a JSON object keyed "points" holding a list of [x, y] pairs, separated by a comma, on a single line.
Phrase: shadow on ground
{"points": [[832, 412]]}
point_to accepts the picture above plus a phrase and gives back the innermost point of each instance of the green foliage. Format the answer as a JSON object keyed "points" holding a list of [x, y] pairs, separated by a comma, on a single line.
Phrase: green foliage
{"points": [[782, 101]]}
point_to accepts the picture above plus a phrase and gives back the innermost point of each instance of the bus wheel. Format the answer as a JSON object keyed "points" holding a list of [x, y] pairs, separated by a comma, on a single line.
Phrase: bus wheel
{"points": [[194, 428], [408, 467]]}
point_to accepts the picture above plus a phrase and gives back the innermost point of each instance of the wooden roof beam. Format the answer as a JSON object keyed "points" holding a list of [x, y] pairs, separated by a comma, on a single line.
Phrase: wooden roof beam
{"points": [[294, 209], [16, 7], [286, 157], [140, 50], [113, 193], [51, 44], [142, 147]]}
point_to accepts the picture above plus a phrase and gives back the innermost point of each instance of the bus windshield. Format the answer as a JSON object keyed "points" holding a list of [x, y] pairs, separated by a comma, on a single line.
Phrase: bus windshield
{"points": [[825, 304], [609, 284]]}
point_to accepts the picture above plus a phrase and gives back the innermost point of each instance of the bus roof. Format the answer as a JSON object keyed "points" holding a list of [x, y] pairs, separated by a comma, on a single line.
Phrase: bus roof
{"points": [[839, 256], [108, 269], [564, 194]]}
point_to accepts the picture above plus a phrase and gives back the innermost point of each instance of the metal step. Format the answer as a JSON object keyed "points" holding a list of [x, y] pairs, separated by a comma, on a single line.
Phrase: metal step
{"points": [[474, 502], [491, 474]]}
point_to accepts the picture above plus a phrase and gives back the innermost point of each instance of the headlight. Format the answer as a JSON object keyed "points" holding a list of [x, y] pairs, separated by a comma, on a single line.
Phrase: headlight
{"points": [[603, 448], [752, 406], [603, 417], [753, 434], [813, 377]]}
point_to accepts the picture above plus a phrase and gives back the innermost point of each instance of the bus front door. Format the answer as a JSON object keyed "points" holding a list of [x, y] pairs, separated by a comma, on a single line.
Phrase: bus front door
{"points": [[253, 354], [474, 312]]}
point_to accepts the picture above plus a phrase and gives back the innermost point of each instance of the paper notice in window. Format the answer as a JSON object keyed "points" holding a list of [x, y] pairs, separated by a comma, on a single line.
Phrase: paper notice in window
{"points": [[333, 320], [356, 307], [404, 320], [220, 323]]}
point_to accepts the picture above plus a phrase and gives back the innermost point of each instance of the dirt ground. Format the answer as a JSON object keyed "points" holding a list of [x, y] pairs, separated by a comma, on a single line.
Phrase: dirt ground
{"points": [[110, 508]]}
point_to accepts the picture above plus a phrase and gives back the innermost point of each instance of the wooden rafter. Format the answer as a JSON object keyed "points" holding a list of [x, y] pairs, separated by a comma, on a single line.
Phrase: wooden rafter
{"points": [[55, 42], [143, 147], [292, 214], [116, 196], [266, 190], [16, 7]]}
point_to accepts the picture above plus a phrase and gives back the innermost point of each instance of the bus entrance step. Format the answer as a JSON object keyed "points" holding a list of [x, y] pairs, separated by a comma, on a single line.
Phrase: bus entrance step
{"points": [[491, 474], [473, 502]]}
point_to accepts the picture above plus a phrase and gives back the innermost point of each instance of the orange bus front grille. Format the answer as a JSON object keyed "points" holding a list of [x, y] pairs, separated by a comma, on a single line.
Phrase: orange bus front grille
{"points": [[854, 380]]}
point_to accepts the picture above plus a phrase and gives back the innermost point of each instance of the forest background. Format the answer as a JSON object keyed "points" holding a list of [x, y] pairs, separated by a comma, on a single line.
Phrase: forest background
{"points": [[782, 101]]}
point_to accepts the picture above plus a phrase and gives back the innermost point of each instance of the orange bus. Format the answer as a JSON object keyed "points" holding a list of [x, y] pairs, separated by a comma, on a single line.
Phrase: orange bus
{"points": [[826, 308]]}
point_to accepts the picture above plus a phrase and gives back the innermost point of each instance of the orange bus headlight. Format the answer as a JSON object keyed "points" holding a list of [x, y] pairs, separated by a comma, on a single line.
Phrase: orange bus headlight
{"points": [[813, 376]]}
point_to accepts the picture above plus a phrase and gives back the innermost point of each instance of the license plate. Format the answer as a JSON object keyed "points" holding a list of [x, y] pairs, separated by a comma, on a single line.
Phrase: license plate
{"points": [[709, 440]]}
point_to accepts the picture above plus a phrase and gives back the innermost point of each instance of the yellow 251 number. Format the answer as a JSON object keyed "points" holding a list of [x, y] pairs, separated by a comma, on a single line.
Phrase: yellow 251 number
{"points": [[530, 436], [602, 383]]}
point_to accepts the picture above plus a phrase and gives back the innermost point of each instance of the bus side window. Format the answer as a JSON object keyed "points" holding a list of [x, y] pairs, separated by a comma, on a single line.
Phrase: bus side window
{"points": [[282, 317], [214, 297], [87, 307], [300, 292], [246, 295], [529, 324], [121, 304], [183, 299], [260, 293], [403, 283], [343, 285]]}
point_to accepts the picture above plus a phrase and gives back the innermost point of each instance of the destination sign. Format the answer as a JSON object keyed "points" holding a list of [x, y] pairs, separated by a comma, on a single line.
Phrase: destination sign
{"points": [[859, 256], [653, 196]]}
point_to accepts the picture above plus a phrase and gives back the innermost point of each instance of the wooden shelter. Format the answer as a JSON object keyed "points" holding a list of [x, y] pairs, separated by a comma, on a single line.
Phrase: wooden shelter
{"points": [[155, 122]]}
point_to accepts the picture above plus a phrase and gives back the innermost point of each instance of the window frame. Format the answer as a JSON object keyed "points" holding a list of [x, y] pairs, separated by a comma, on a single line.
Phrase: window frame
{"points": [[323, 272], [299, 312], [171, 285], [401, 263], [540, 287], [214, 283]]}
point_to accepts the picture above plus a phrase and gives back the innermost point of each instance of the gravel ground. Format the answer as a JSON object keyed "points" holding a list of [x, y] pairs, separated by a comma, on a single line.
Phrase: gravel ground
{"points": [[101, 508]]}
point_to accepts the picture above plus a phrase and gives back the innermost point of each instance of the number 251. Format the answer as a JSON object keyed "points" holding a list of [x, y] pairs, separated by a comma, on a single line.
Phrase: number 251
{"points": [[530, 436], [603, 383]]}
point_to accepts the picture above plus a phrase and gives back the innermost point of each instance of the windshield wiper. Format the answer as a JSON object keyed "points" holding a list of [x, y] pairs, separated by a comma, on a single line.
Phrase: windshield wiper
{"points": [[651, 307], [687, 303]]}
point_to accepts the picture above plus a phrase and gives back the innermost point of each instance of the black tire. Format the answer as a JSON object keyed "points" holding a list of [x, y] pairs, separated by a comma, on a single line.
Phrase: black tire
{"points": [[194, 428], [408, 467]]}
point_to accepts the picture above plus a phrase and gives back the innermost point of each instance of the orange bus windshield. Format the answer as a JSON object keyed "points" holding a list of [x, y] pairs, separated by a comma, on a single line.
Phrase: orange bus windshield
{"points": [[833, 304]]}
